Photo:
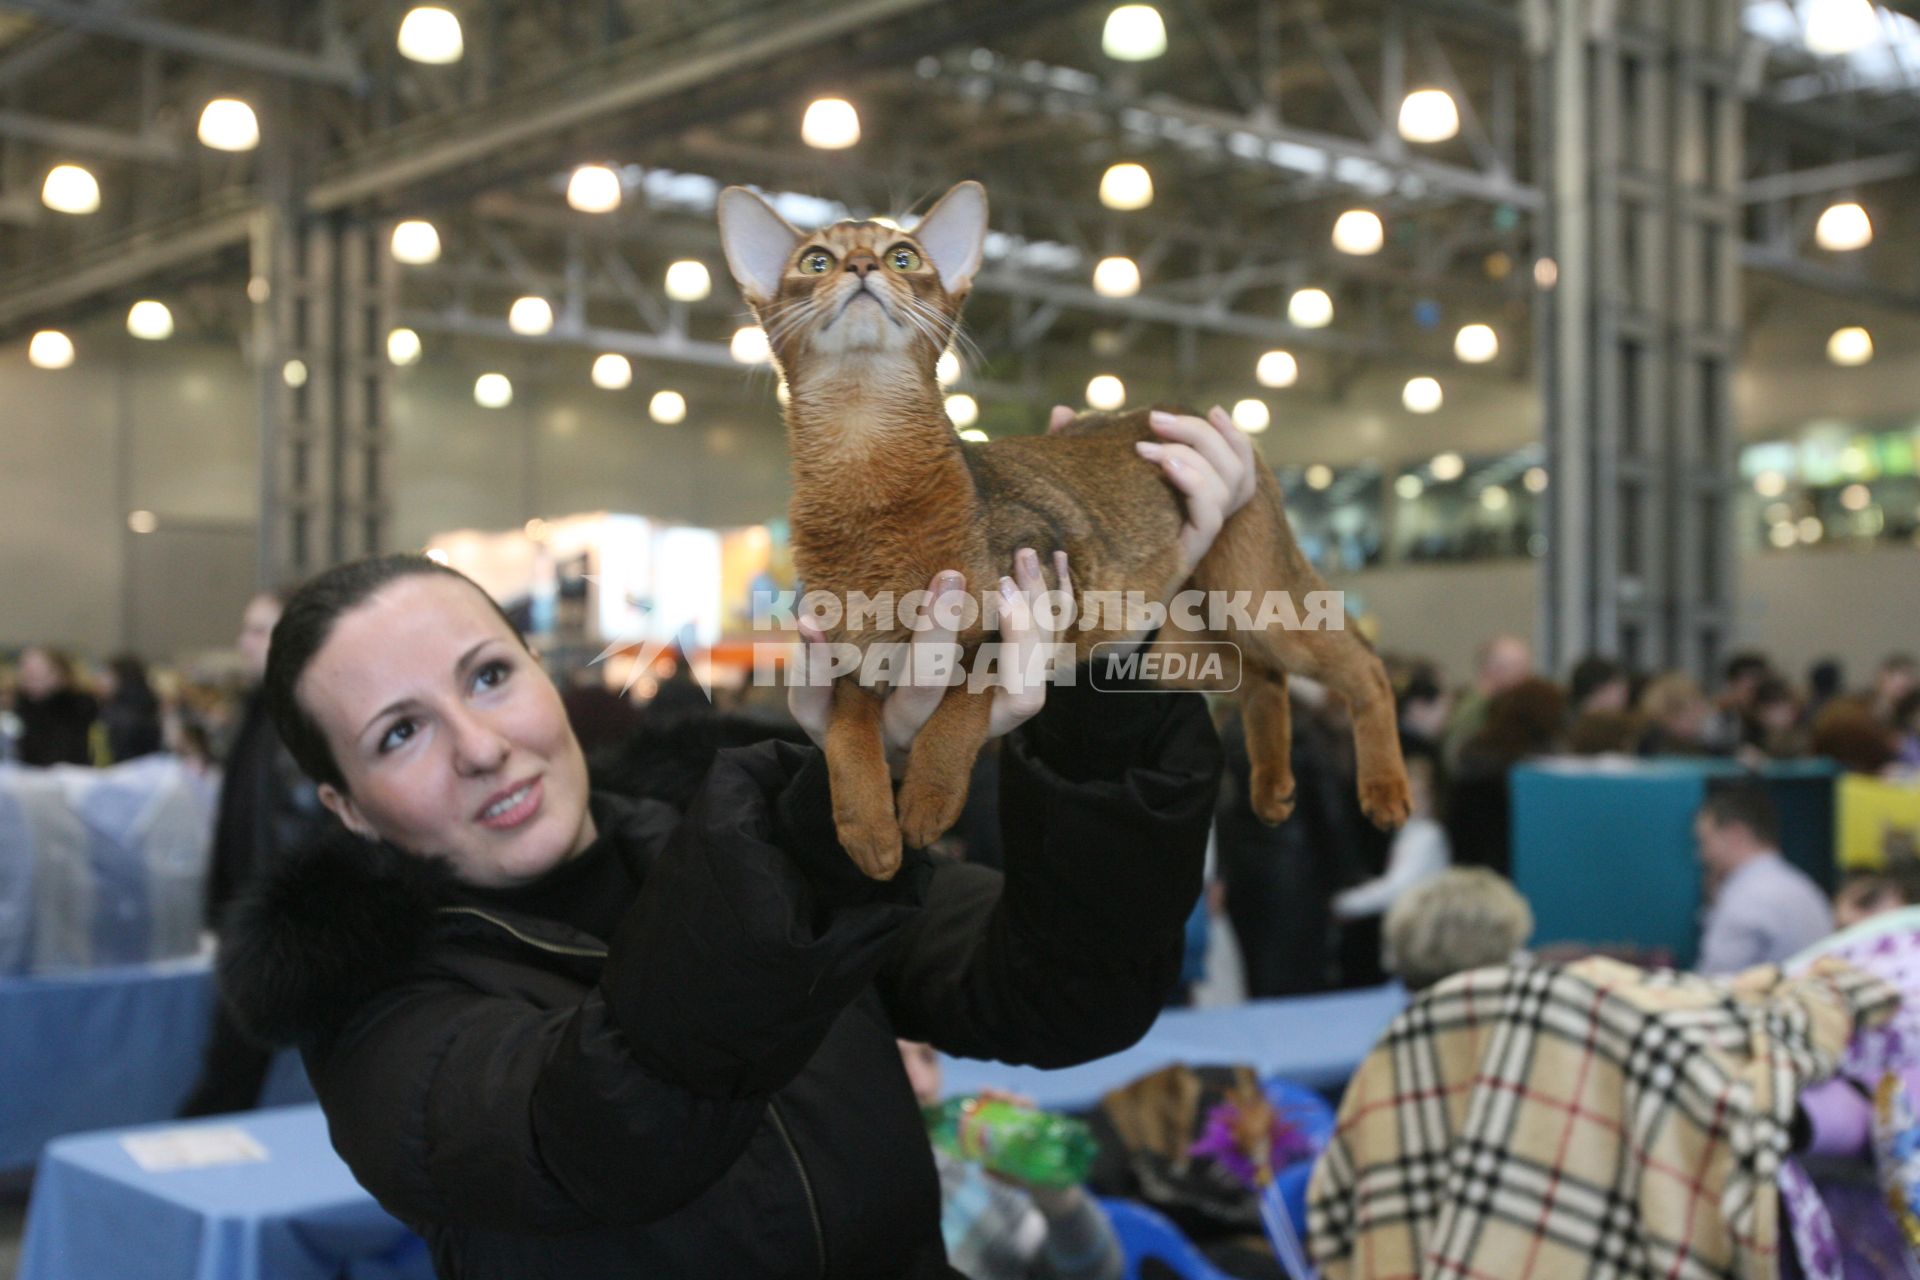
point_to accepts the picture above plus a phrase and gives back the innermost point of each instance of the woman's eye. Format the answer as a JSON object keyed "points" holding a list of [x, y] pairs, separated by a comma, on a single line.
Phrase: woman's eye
{"points": [[492, 676], [904, 260], [396, 736], [816, 263]]}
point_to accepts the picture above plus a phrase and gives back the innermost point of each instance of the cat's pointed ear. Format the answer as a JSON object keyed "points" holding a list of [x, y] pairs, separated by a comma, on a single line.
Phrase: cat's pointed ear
{"points": [[757, 241], [954, 232]]}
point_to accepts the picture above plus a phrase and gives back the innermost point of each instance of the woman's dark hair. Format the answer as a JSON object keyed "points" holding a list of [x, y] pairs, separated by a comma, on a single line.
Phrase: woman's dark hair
{"points": [[304, 626], [130, 683]]}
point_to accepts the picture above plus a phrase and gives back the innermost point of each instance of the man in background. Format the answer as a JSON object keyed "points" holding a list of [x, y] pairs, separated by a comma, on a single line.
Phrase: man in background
{"points": [[1762, 909], [1498, 665]]}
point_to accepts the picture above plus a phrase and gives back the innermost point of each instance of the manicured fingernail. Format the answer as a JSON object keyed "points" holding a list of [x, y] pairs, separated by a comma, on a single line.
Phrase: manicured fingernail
{"points": [[1148, 449], [1008, 589], [1160, 418], [949, 581]]}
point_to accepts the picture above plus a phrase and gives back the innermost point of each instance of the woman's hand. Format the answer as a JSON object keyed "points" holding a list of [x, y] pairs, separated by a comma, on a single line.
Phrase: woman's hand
{"points": [[908, 707], [1210, 461]]}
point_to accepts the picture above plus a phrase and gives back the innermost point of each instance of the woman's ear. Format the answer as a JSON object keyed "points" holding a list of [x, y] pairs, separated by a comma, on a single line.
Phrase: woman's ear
{"points": [[341, 805]]}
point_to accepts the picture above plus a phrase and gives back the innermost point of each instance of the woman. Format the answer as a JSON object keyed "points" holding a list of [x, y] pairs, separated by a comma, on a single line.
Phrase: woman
{"points": [[56, 718], [579, 1036], [129, 710]]}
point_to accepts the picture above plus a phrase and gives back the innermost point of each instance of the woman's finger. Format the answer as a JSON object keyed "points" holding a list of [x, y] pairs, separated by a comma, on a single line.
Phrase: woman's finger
{"points": [[1061, 418], [1242, 446], [1202, 437], [911, 704], [1022, 689], [810, 696]]}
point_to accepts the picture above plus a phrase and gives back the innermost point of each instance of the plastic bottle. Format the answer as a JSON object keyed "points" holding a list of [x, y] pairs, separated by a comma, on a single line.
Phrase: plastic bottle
{"points": [[1036, 1147]]}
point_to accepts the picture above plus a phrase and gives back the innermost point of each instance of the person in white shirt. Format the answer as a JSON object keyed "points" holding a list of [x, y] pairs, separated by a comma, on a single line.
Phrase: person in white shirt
{"points": [[1763, 909], [1418, 853]]}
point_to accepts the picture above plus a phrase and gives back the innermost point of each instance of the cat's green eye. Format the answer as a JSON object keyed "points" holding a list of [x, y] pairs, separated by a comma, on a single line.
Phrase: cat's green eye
{"points": [[817, 263], [904, 259]]}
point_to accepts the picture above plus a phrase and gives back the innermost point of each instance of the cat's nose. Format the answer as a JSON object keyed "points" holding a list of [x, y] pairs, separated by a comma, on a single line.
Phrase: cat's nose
{"points": [[862, 262]]}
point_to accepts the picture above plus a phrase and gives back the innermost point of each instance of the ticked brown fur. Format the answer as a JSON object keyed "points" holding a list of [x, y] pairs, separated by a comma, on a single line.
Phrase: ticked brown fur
{"points": [[885, 496]]}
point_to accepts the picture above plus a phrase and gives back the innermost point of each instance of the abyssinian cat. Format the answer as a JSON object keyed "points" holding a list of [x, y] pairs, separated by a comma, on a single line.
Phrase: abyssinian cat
{"points": [[885, 495]]}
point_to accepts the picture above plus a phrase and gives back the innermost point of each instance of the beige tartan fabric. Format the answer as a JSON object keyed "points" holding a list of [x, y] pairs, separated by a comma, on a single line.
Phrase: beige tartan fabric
{"points": [[1581, 1122]]}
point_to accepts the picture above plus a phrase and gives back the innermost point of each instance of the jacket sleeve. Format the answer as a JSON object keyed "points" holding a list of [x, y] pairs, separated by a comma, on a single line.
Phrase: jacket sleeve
{"points": [[462, 1108], [1106, 799]]}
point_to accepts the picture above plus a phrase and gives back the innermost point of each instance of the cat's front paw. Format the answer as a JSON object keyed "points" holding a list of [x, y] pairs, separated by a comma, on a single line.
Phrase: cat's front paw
{"points": [[928, 812], [1272, 795], [1387, 802], [874, 845]]}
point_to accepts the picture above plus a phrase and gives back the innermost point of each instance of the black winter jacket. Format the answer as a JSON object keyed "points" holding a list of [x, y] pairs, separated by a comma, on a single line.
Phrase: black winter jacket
{"points": [[716, 1092]]}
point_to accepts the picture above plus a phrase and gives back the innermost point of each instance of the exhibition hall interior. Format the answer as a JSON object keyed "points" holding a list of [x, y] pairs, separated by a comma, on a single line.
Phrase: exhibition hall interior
{"points": [[1020, 639]]}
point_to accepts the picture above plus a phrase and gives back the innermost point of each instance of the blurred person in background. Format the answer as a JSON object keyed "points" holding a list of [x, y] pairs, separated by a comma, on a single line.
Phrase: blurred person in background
{"points": [[1418, 852], [1598, 686], [1524, 721], [1771, 726], [1425, 708], [1826, 680], [1864, 894], [1906, 729], [1677, 715], [267, 809], [56, 719], [1499, 664], [998, 1228], [1761, 908], [1462, 919], [1740, 682], [1897, 677], [129, 711], [1847, 732]]}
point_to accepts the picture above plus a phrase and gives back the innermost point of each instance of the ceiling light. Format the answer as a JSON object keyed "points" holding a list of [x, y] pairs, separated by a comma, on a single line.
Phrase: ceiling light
{"points": [[973, 435], [667, 407], [1856, 497], [1106, 392], [1251, 416], [1359, 232], [1535, 479], [1843, 228], [1810, 529], [612, 372], [1836, 27], [688, 281], [530, 316], [1319, 476], [749, 345], [1850, 347], [1310, 309], [492, 391], [1409, 486], [150, 320], [1134, 33], [294, 373], [1494, 498], [1546, 273], [1429, 115], [1277, 369], [142, 521], [228, 124], [1476, 344], [1770, 484], [1116, 278], [431, 35], [1447, 467], [1422, 395], [946, 370], [963, 410], [403, 346], [1126, 187], [416, 243], [50, 349], [831, 124], [594, 188], [70, 189]]}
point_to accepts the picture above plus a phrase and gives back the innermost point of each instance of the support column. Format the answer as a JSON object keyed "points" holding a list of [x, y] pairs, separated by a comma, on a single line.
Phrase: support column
{"points": [[1643, 118]]}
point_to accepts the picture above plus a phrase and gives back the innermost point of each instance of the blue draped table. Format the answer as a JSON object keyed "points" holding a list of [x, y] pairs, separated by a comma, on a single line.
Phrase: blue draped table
{"points": [[105, 1048], [296, 1214], [1316, 1041]]}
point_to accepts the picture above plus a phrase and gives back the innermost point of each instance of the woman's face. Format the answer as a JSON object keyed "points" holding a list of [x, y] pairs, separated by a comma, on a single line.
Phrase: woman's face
{"points": [[451, 739]]}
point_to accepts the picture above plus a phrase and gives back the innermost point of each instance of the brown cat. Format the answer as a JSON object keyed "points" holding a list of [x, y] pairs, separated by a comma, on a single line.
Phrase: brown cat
{"points": [[885, 495]]}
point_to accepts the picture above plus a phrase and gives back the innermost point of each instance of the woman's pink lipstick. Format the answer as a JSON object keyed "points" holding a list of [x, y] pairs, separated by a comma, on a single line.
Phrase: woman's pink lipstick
{"points": [[519, 812]]}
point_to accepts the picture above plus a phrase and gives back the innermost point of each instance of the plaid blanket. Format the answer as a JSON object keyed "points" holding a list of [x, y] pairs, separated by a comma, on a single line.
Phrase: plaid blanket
{"points": [[1592, 1120]]}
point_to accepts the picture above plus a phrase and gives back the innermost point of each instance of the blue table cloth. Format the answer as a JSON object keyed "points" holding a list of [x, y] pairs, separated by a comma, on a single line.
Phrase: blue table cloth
{"points": [[1312, 1040], [297, 1214], [106, 1048]]}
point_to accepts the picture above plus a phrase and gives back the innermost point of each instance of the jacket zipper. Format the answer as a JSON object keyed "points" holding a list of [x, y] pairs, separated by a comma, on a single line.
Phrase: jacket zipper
{"points": [[806, 1184], [597, 953]]}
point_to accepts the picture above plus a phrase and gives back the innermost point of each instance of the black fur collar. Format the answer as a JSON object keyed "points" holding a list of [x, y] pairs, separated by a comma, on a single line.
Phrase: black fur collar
{"points": [[331, 927]]}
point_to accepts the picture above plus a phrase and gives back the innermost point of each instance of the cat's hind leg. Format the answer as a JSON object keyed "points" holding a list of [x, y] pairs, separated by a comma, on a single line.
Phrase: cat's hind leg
{"points": [[1267, 719]]}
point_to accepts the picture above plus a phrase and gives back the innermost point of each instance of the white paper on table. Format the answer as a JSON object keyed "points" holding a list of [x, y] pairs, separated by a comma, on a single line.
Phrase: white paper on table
{"points": [[193, 1148]]}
